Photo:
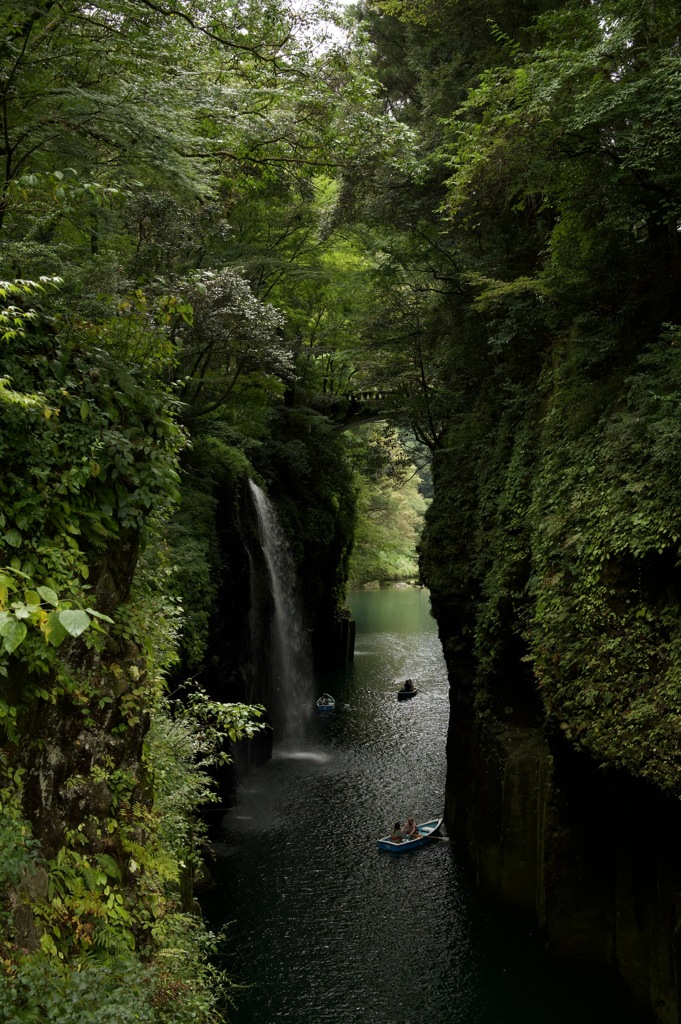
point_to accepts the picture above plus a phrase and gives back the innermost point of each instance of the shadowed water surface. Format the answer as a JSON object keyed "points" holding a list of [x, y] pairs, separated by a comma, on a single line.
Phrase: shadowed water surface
{"points": [[324, 927]]}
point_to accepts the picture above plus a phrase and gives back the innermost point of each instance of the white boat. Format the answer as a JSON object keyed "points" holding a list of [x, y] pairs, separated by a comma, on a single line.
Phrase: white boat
{"points": [[427, 831]]}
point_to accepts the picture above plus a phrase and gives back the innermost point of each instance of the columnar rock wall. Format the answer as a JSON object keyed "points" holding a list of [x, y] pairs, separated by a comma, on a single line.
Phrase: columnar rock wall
{"points": [[594, 855]]}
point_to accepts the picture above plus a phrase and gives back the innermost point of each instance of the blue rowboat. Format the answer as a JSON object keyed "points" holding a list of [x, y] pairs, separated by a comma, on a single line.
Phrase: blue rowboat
{"points": [[427, 830], [325, 704]]}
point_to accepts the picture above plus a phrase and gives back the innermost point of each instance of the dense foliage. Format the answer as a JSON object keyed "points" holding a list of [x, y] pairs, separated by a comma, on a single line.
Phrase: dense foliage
{"points": [[390, 508], [552, 544], [167, 325], [229, 242]]}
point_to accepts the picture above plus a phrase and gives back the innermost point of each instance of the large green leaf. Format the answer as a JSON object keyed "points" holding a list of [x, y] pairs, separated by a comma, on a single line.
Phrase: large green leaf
{"points": [[75, 621], [48, 595], [54, 632], [12, 632]]}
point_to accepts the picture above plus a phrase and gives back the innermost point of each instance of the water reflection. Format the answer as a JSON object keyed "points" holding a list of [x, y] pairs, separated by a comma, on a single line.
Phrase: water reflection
{"points": [[326, 928]]}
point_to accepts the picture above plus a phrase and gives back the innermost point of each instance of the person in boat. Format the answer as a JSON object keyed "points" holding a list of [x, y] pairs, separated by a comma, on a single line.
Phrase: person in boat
{"points": [[411, 829], [396, 834], [326, 699], [408, 685]]}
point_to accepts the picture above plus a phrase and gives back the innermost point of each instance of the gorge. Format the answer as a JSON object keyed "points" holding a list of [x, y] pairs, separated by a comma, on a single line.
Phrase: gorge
{"points": [[430, 258]]}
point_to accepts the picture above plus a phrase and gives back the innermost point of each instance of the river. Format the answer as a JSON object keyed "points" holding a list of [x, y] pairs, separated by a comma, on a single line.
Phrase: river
{"points": [[322, 926]]}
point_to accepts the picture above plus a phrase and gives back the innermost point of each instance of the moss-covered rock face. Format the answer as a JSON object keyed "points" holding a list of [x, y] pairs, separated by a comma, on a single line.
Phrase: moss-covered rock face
{"points": [[605, 631], [551, 552], [593, 854], [559, 588], [81, 759], [88, 454]]}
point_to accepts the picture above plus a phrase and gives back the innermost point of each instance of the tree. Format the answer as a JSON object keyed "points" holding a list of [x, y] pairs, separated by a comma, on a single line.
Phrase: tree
{"points": [[390, 509]]}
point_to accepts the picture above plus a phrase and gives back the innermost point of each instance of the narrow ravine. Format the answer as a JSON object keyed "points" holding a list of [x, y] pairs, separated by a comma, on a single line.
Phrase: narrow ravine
{"points": [[321, 926]]}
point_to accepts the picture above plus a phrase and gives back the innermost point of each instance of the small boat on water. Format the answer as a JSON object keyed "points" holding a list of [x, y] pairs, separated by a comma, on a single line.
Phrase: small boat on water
{"points": [[325, 704], [427, 831], [407, 690], [406, 694]]}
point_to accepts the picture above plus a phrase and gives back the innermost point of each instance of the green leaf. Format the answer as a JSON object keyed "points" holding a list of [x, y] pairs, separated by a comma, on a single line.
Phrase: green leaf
{"points": [[13, 538], [48, 945], [99, 615], [48, 595], [13, 633], [54, 632], [74, 622]]}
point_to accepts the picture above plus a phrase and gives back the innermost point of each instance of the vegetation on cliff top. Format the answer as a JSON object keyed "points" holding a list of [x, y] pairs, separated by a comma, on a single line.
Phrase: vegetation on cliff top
{"points": [[552, 545], [226, 241]]}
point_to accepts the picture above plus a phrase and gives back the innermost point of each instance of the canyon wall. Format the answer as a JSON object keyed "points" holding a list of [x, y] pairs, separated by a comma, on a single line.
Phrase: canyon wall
{"points": [[594, 854]]}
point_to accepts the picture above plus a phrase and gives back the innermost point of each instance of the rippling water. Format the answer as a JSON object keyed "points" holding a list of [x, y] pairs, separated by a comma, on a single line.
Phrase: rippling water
{"points": [[325, 928]]}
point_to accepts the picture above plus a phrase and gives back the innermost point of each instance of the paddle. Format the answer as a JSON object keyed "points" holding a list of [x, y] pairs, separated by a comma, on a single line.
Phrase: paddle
{"points": [[442, 839]]}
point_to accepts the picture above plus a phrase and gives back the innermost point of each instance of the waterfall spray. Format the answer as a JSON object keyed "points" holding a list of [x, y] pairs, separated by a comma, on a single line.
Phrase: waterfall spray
{"points": [[291, 656]]}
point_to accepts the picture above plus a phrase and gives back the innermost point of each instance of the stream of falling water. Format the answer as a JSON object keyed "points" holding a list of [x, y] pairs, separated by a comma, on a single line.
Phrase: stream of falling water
{"points": [[291, 666]]}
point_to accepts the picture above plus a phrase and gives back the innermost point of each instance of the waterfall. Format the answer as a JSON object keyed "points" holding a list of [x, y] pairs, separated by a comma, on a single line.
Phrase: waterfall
{"points": [[291, 658]]}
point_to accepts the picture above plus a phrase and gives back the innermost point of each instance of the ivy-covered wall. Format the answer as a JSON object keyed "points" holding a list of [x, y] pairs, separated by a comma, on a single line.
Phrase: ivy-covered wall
{"points": [[551, 550]]}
